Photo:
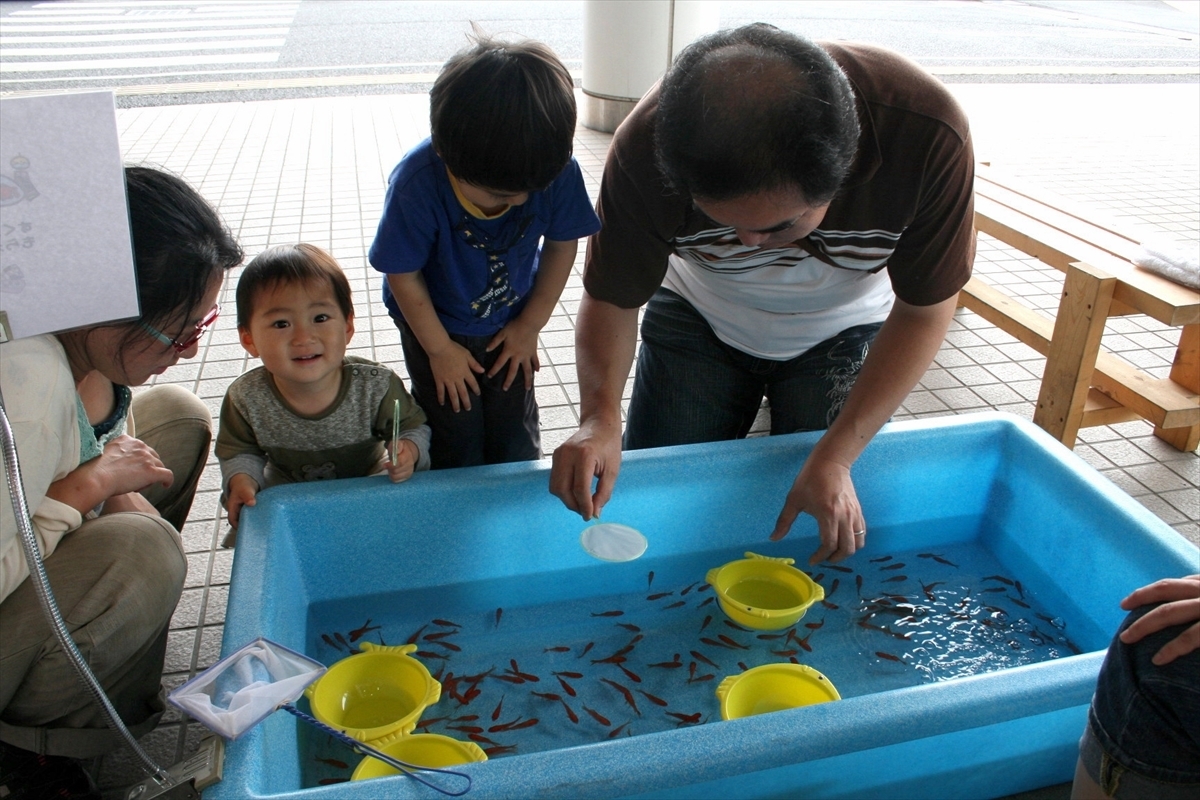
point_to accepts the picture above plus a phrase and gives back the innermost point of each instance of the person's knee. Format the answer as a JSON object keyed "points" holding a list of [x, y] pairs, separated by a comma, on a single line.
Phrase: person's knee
{"points": [[172, 407], [140, 568], [1145, 718]]}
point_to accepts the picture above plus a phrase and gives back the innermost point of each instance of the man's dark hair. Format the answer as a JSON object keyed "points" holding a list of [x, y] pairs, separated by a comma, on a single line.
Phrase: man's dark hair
{"points": [[756, 109], [503, 115], [179, 245], [291, 263]]}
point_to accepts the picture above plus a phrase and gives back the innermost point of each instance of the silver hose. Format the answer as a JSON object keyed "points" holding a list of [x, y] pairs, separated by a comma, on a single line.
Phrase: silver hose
{"points": [[41, 585]]}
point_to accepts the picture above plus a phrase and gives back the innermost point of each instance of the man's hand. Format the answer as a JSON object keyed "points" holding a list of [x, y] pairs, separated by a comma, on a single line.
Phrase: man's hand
{"points": [[824, 490], [1180, 599], [406, 461], [241, 491], [518, 343], [454, 371], [593, 452]]}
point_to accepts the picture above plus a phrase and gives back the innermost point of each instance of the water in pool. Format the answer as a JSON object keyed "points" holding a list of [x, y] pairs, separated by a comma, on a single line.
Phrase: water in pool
{"points": [[570, 671]]}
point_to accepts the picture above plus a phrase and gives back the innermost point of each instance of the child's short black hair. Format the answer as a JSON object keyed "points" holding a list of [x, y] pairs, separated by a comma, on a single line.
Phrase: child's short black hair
{"points": [[290, 263], [503, 115]]}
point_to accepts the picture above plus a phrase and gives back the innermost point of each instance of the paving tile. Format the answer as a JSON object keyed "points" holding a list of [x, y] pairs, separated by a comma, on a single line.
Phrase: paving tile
{"points": [[181, 646], [1158, 478], [221, 566], [1088, 453], [215, 605], [1162, 509], [997, 394], [197, 536], [1187, 501], [209, 650], [197, 571], [187, 612], [121, 768], [1189, 530], [1122, 453]]}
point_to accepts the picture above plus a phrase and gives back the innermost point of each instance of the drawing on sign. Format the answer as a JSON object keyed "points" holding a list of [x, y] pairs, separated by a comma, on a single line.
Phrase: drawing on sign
{"points": [[19, 186]]}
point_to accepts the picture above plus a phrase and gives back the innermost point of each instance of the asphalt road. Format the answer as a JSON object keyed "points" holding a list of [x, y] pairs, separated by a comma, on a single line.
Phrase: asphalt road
{"points": [[157, 52]]}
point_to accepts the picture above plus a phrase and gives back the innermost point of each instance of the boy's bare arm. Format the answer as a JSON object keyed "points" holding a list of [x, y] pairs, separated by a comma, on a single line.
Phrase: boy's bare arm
{"points": [[454, 368], [519, 338]]}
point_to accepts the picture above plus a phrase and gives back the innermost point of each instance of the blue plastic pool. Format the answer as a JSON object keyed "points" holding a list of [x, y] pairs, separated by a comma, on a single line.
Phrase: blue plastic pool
{"points": [[1022, 549]]}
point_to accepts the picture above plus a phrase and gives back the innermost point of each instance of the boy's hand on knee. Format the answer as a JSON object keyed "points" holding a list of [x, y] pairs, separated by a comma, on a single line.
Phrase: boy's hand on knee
{"points": [[454, 370], [518, 345], [241, 492], [406, 461]]}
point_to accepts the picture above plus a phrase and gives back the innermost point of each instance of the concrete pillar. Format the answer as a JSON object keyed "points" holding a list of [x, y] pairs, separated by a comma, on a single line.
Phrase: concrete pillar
{"points": [[627, 47]]}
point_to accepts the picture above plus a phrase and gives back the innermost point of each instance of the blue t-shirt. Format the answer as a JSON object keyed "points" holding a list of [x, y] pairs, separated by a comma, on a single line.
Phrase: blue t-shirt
{"points": [[479, 271]]}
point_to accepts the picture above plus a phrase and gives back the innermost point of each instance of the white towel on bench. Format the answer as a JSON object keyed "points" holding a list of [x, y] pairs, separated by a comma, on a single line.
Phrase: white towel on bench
{"points": [[1172, 261]]}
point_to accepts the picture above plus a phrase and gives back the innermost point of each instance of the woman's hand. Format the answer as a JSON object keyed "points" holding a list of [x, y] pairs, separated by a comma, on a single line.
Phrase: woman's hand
{"points": [[125, 465], [131, 465]]}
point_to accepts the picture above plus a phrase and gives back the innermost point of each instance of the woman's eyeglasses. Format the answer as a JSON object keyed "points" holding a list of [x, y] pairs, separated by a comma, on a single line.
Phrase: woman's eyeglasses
{"points": [[185, 341]]}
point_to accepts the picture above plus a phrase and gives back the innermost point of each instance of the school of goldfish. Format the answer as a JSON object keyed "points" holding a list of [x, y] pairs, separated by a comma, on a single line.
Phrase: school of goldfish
{"points": [[651, 663]]}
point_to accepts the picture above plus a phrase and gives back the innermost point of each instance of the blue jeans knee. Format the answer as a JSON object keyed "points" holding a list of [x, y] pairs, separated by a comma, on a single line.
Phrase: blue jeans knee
{"points": [[1143, 733]]}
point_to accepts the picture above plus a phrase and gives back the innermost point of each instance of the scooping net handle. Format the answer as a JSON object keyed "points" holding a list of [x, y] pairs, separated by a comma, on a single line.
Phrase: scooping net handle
{"points": [[407, 769]]}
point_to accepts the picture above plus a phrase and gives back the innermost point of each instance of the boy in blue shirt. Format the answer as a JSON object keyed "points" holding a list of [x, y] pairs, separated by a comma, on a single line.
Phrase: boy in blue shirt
{"points": [[477, 239]]}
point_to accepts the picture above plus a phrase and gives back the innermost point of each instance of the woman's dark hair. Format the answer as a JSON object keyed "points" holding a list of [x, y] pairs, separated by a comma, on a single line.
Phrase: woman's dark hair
{"points": [[290, 263], [179, 244], [503, 115], [756, 109]]}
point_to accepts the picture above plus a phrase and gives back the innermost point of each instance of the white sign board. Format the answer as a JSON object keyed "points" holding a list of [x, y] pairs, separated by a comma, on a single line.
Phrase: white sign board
{"points": [[66, 260]]}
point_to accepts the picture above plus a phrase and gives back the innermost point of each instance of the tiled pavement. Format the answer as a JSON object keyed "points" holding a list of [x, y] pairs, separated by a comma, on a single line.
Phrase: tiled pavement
{"points": [[315, 171]]}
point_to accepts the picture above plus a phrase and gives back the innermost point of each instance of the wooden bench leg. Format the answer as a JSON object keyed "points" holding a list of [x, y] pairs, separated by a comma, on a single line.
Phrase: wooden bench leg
{"points": [[1185, 372], [1071, 359]]}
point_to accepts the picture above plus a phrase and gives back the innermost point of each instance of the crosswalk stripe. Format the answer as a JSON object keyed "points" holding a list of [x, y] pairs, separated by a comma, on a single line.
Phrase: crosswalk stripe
{"points": [[143, 3], [160, 47], [156, 35], [7, 68], [121, 26], [169, 15], [134, 37]]}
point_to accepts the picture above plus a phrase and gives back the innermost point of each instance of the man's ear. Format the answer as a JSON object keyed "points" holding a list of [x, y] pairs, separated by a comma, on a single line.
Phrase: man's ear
{"points": [[247, 341]]}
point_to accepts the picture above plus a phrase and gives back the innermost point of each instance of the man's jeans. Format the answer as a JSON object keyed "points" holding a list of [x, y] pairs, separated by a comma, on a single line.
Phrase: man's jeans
{"points": [[1143, 734], [692, 387]]}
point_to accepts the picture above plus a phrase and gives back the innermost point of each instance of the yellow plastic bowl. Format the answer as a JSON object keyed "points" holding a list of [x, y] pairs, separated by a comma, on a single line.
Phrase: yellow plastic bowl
{"points": [[763, 592], [420, 750], [773, 687], [379, 692]]}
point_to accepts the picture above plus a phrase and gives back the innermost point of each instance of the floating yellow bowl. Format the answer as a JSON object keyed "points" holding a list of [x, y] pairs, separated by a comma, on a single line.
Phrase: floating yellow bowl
{"points": [[380, 692], [420, 750], [773, 687], [764, 593]]}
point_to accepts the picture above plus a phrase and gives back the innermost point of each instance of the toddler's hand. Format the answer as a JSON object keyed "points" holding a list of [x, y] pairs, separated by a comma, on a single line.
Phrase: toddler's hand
{"points": [[241, 492], [519, 349], [406, 462]]}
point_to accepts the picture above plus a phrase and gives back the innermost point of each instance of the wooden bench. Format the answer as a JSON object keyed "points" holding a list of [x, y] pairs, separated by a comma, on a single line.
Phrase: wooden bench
{"points": [[1083, 384]]}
